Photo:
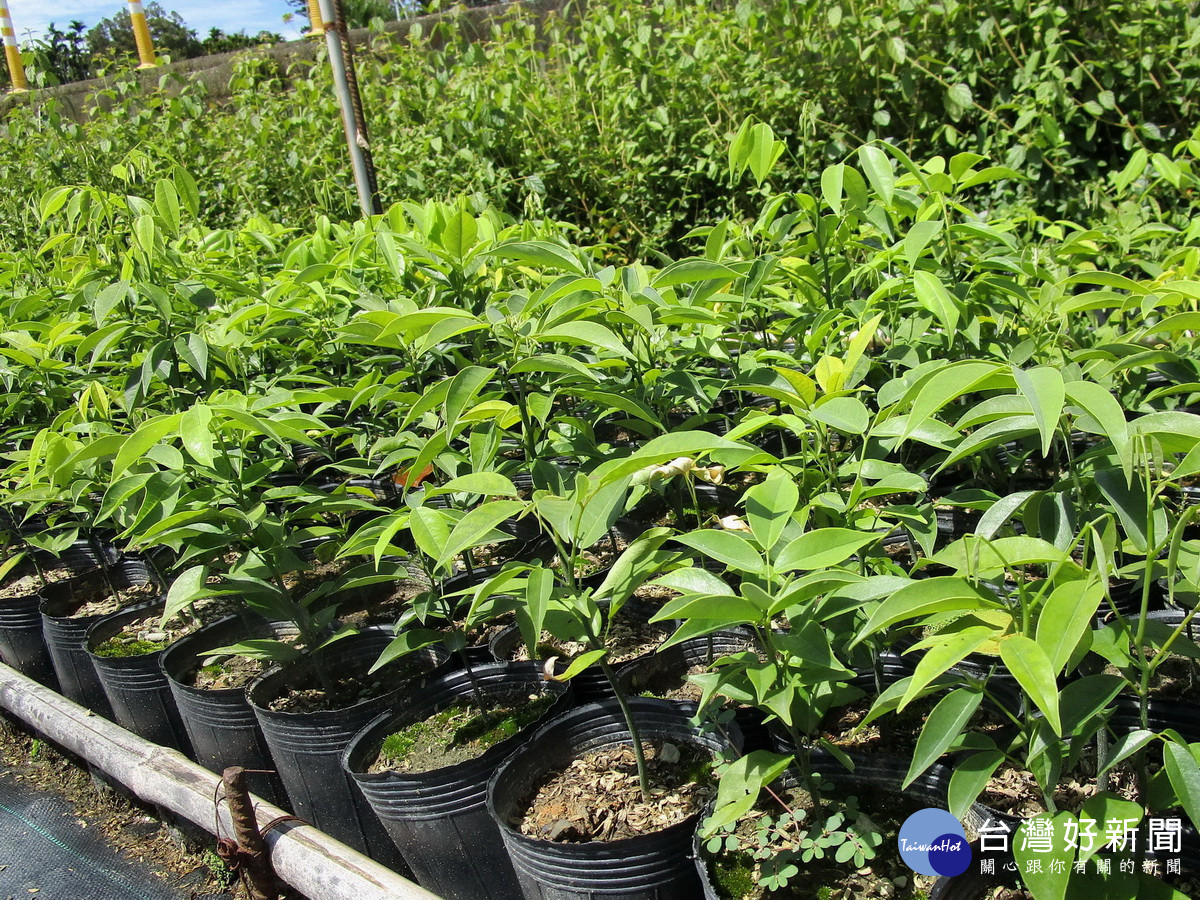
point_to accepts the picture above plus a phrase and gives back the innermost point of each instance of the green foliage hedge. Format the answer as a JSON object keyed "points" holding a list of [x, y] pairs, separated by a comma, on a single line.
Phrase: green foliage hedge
{"points": [[617, 117]]}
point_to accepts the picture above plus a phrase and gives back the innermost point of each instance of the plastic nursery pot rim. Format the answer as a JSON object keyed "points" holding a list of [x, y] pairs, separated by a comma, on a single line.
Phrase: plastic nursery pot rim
{"points": [[655, 720], [266, 686], [440, 694], [177, 664]]}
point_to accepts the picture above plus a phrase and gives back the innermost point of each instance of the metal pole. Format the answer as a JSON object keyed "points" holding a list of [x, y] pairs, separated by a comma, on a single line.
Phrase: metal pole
{"points": [[16, 69], [141, 35], [316, 25], [309, 860], [356, 138]]}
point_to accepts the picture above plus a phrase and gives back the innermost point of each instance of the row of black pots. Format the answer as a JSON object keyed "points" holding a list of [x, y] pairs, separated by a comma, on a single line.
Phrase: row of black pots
{"points": [[66, 634], [131, 573], [22, 643]]}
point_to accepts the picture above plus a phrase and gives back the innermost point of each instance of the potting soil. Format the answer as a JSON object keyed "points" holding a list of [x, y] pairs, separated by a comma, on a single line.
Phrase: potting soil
{"points": [[46, 853]]}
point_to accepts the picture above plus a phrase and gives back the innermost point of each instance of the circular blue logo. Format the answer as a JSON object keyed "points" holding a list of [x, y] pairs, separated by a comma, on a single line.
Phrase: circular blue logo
{"points": [[933, 842]]}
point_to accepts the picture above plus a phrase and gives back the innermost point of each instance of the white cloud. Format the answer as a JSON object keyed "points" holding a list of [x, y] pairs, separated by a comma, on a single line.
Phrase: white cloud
{"points": [[30, 17]]}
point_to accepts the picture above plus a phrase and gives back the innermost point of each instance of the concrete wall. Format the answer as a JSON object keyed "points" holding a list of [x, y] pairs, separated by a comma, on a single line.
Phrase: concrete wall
{"points": [[214, 72]]}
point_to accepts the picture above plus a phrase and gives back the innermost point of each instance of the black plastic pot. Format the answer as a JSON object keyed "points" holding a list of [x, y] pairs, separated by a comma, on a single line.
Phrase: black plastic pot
{"points": [[307, 747], [65, 635], [666, 670], [970, 885], [479, 652], [220, 724], [655, 866], [136, 687], [22, 643], [439, 819], [592, 683]]}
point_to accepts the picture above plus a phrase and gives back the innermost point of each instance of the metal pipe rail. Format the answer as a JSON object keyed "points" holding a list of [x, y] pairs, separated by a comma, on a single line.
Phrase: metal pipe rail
{"points": [[311, 861]]}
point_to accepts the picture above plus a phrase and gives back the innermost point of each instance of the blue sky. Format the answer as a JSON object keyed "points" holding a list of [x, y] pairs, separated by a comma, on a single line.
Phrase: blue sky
{"points": [[201, 15]]}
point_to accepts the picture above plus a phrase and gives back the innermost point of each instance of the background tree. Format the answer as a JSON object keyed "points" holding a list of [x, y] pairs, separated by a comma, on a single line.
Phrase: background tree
{"points": [[61, 56], [113, 37], [219, 41]]}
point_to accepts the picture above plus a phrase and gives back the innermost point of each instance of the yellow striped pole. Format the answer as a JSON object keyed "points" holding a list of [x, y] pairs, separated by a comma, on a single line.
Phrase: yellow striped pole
{"points": [[141, 35], [16, 69], [317, 24]]}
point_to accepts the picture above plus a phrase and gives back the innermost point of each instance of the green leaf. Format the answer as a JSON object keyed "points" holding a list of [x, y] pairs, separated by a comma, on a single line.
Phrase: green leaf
{"points": [[539, 586], [196, 434], [461, 234], [1085, 699], [541, 254], [693, 580], [185, 187], [919, 237], [877, 166], [985, 558], [410, 640], [932, 295], [478, 527], [188, 587], [946, 650], [193, 350], [1043, 387], [822, 548], [740, 784], [581, 662], [1128, 500], [727, 547], [831, 187], [1132, 171], [107, 299], [1184, 774], [693, 271], [769, 508], [754, 146], [739, 150], [946, 721], [488, 484], [970, 778], [958, 99], [166, 204], [1065, 618], [462, 390], [1028, 663], [1045, 882], [988, 175], [430, 529], [704, 613], [631, 569], [847, 414], [265, 648], [1126, 746], [136, 445], [928, 595], [585, 334]]}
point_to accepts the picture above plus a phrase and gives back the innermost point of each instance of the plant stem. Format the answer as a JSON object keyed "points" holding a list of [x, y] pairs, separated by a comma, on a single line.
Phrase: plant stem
{"points": [[638, 753]]}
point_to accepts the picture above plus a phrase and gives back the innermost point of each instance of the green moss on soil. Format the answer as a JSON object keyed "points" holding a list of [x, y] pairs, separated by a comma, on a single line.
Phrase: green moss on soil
{"points": [[733, 875], [117, 649], [458, 732]]}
